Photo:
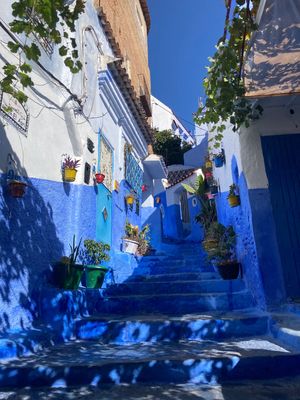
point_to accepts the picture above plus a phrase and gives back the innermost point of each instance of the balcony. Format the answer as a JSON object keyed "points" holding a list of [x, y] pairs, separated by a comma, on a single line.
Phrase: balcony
{"points": [[145, 96]]}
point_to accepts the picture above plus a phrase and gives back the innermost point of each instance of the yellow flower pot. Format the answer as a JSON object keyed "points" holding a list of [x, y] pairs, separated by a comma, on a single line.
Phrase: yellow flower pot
{"points": [[70, 174], [130, 199], [234, 200], [208, 164]]}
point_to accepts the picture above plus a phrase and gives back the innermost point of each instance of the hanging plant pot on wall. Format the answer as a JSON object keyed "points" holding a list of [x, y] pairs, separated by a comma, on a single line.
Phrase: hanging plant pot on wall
{"points": [[219, 161], [208, 164], [70, 174], [16, 188], [233, 200], [208, 175], [130, 199], [99, 177]]}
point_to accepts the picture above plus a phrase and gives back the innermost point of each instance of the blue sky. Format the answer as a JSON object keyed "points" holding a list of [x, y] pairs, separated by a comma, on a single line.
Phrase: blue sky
{"points": [[182, 36]]}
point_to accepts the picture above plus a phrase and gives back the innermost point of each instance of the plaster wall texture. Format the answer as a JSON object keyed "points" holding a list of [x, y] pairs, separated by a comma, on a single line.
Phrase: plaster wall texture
{"points": [[130, 31], [253, 220], [163, 118], [37, 229]]}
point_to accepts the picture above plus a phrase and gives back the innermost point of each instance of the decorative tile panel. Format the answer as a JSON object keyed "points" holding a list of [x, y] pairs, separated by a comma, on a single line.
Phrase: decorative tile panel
{"points": [[106, 160], [133, 172]]}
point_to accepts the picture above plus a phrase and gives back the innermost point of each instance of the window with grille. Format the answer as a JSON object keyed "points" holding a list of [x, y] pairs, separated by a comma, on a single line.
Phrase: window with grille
{"points": [[133, 172]]}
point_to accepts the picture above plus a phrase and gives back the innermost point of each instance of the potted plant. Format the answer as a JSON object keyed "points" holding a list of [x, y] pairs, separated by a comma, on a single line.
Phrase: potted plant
{"points": [[219, 159], [144, 247], [99, 177], [93, 254], [67, 273], [208, 163], [213, 232], [16, 188], [213, 187], [131, 238], [222, 254], [69, 166], [233, 197]]}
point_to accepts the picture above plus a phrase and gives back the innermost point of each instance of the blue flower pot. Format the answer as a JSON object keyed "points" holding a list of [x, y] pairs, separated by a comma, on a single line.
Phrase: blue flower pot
{"points": [[219, 162]]}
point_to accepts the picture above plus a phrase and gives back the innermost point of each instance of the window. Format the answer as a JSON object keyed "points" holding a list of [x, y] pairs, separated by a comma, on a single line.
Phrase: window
{"points": [[133, 172]]}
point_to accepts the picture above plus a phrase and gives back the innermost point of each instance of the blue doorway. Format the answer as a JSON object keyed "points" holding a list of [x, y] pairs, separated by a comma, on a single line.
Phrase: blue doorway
{"points": [[282, 163]]}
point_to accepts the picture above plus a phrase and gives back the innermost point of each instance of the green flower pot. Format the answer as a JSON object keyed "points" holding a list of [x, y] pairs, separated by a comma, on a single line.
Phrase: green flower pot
{"points": [[94, 276], [66, 276]]}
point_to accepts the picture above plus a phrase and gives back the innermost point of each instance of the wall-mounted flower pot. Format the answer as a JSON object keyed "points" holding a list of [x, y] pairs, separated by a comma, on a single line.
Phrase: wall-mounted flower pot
{"points": [[69, 174], [208, 175], [208, 164], [219, 161], [229, 270], [157, 200], [129, 246], [17, 188], [99, 177], [233, 200], [210, 196], [214, 189], [144, 188], [67, 276], [94, 276], [130, 199]]}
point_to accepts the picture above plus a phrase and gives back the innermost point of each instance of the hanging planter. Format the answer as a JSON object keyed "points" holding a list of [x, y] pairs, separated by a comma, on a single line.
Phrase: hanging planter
{"points": [[144, 188], [130, 199], [17, 188], [233, 197], [157, 200], [99, 177], [69, 166], [208, 175], [208, 164], [219, 161]]}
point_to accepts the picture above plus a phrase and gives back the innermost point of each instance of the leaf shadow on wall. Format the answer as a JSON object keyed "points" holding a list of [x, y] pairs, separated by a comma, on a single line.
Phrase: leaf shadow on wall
{"points": [[28, 244]]}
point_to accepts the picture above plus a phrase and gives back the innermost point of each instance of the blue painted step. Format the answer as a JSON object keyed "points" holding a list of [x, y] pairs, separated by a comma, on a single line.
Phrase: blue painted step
{"points": [[204, 286], [156, 328], [181, 276], [82, 363], [172, 303]]}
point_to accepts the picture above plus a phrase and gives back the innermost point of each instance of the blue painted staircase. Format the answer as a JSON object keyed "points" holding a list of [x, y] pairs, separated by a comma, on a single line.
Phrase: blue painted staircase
{"points": [[173, 321]]}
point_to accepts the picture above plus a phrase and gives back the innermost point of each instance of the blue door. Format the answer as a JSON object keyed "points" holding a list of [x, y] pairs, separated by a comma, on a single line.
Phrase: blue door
{"points": [[104, 195], [282, 162]]}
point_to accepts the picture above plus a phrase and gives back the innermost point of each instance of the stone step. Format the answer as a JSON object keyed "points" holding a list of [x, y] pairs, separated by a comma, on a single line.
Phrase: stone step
{"points": [[286, 327], [155, 328], [204, 286], [169, 277], [89, 363], [171, 303]]}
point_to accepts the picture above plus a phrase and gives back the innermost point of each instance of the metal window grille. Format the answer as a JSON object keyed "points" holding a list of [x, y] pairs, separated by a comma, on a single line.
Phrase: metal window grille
{"points": [[133, 173]]}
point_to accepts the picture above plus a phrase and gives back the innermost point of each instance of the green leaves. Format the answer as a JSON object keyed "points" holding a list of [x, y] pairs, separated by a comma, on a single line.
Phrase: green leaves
{"points": [[41, 19], [223, 86]]}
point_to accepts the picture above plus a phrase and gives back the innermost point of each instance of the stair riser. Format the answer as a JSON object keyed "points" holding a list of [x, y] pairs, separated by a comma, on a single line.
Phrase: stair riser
{"points": [[213, 286], [174, 277], [174, 304], [155, 331], [200, 371]]}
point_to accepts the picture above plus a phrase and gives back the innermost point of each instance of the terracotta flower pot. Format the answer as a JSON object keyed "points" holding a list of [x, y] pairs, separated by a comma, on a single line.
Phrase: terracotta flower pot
{"points": [[70, 174], [17, 188], [99, 177]]}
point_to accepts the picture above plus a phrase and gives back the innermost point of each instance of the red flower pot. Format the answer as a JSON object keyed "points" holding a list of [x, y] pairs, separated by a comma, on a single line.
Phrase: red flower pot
{"points": [[99, 177], [17, 188], [144, 188]]}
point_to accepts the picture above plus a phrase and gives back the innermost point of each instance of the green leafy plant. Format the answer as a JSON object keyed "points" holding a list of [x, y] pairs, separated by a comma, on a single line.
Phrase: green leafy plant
{"points": [[224, 86], [169, 146], [39, 19], [197, 188], [233, 191], [74, 248], [131, 231], [144, 247], [95, 252], [224, 249]]}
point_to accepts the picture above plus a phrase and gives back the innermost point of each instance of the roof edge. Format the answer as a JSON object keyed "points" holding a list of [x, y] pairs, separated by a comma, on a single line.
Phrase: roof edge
{"points": [[146, 13]]}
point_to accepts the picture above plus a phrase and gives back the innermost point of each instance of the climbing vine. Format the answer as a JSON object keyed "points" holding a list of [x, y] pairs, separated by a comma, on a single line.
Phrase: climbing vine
{"points": [[224, 86], [53, 20]]}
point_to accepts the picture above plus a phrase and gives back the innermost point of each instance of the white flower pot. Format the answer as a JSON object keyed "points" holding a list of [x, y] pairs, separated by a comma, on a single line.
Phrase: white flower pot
{"points": [[129, 246]]}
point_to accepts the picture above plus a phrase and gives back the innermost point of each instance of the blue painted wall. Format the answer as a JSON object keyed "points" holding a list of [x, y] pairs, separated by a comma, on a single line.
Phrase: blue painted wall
{"points": [[35, 231], [256, 241]]}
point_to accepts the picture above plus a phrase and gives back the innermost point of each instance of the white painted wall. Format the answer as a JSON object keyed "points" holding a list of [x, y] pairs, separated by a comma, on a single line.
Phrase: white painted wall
{"points": [[163, 117], [57, 125]]}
